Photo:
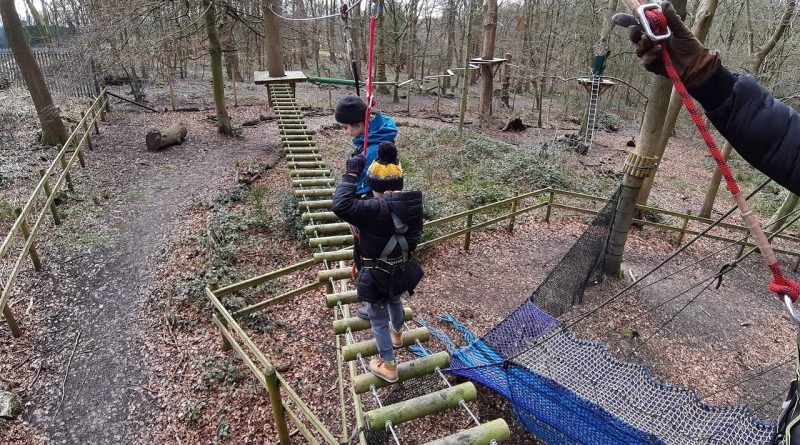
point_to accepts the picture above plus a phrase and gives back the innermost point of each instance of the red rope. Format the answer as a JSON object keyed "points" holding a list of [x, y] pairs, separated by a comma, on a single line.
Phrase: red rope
{"points": [[658, 21], [370, 57]]}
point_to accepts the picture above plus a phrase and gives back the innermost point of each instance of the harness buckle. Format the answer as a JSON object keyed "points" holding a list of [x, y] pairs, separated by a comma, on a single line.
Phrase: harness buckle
{"points": [[646, 22]]}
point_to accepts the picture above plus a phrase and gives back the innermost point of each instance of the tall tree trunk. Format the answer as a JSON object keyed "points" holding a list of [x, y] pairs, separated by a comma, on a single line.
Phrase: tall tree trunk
{"points": [[273, 40], [380, 56], [53, 130], [41, 26], [755, 68], [487, 82], [300, 9], [652, 125], [412, 39], [465, 79], [701, 28], [449, 52], [215, 56]]}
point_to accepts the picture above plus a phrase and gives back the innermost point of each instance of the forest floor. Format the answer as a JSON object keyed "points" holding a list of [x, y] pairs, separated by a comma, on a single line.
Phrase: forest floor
{"points": [[119, 346]]}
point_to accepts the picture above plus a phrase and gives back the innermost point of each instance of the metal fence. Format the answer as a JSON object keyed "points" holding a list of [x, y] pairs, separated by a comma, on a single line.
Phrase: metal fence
{"points": [[65, 72]]}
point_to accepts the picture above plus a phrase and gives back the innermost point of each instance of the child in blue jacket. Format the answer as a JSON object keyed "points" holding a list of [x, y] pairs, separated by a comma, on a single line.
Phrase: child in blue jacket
{"points": [[350, 112]]}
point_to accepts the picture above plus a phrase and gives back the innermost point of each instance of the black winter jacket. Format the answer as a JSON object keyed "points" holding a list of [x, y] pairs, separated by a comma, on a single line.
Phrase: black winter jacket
{"points": [[765, 131], [373, 219]]}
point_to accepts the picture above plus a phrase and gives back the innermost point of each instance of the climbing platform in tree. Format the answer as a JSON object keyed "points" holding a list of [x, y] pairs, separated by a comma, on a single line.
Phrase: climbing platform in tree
{"points": [[314, 184]]}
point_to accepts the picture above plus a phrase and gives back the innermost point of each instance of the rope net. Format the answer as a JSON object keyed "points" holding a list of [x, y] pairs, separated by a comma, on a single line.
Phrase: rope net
{"points": [[567, 390]]}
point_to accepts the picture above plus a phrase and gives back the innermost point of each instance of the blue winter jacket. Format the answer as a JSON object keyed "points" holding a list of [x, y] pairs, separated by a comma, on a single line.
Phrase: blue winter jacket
{"points": [[765, 131], [381, 128]]}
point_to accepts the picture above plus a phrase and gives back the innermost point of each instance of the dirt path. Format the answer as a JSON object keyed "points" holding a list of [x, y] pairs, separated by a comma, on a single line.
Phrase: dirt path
{"points": [[92, 299]]}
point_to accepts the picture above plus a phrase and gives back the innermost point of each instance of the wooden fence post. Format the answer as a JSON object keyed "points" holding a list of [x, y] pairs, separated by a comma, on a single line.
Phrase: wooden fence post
{"points": [[549, 207], [685, 223], [12, 322], [93, 113], [63, 162], [86, 131], [511, 220], [47, 192], [408, 98], [468, 236], [103, 107], [226, 345], [743, 246], [26, 233], [79, 150], [277, 405]]}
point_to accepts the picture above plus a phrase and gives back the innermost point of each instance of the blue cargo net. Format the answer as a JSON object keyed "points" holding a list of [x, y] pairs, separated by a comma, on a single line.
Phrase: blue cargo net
{"points": [[566, 390]]}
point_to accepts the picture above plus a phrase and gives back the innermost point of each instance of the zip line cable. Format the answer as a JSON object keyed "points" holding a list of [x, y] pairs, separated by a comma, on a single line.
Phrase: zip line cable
{"points": [[311, 19]]}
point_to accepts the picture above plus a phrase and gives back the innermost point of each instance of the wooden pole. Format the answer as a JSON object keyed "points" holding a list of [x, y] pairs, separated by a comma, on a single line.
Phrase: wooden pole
{"points": [[415, 408], [468, 236], [12, 322], [226, 345], [79, 151], [63, 162], [235, 96], [47, 192], [369, 348], [86, 130], [549, 207], [406, 371], [511, 221], [93, 113], [682, 233], [490, 432], [169, 84], [465, 87], [408, 99], [278, 410], [26, 233]]}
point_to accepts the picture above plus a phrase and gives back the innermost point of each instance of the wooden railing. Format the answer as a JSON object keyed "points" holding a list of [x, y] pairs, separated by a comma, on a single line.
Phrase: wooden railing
{"points": [[45, 193], [508, 209]]}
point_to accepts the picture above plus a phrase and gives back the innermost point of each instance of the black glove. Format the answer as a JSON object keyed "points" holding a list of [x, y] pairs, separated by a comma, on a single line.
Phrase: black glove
{"points": [[355, 165], [695, 63]]}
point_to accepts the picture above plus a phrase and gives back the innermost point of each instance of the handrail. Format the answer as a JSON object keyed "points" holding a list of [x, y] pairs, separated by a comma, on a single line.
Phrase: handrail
{"points": [[85, 123]]}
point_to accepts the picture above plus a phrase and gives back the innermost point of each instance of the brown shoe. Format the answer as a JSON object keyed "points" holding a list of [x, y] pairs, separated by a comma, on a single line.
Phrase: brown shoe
{"points": [[397, 338], [383, 370]]}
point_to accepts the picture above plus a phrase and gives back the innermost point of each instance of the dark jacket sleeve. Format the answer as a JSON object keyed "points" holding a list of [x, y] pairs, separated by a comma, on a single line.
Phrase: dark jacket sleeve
{"points": [[350, 209], [763, 130]]}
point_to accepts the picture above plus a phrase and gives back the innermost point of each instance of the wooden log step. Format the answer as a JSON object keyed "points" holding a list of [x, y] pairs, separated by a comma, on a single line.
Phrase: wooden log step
{"points": [[300, 150], [314, 172], [405, 370], [318, 217], [313, 182], [349, 297], [327, 229], [369, 348], [331, 241], [344, 273], [421, 406], [303, 156], [307, 164], [359, 324], [483, 434], [321, 204], [293, 131], [297, 137], [314, 192], [306, 143], [336, 255], [293, 125]]}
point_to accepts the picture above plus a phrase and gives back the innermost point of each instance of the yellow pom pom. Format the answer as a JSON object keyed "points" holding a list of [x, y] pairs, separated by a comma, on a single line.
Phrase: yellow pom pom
{"points": [[378, 170]]}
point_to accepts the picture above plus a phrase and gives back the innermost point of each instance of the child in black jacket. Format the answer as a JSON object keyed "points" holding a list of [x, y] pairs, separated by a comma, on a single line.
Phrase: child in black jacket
{"points": [[389, 226]]}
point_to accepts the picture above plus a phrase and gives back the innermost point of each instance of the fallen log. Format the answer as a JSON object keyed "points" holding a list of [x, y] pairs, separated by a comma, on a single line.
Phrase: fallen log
{"points": [[158, 139]]}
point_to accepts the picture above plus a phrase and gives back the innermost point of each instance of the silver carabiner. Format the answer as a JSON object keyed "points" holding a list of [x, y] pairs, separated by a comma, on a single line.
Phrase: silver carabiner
{"points": [[646, 23], [787, 301]]}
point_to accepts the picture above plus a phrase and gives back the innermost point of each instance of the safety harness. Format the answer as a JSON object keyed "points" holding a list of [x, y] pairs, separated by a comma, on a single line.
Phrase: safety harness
{"points": [[383, 262]]}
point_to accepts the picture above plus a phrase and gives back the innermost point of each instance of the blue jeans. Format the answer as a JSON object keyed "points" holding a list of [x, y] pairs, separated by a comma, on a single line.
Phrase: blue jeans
{"points": [[380, 315]]}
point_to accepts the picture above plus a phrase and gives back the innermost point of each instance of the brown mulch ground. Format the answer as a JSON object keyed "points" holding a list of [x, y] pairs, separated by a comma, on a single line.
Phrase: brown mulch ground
{"points": [[189, 391]]}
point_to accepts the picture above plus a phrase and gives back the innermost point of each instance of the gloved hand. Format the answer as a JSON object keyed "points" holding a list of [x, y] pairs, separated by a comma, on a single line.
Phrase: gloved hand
{"points": [[355, 165], [695, 63]]}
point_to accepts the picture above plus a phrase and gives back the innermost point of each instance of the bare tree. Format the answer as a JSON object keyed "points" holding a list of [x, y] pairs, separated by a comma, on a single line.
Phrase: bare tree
{"points": [[489, 34], [215, 56], [53, 130]]}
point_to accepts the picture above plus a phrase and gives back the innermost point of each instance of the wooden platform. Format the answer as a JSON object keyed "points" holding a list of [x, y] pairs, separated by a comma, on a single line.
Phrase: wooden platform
{"points": [[605, 84], [290, 77]]}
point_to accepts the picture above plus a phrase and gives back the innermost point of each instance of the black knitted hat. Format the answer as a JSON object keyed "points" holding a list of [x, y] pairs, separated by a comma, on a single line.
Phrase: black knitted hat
{"points": [[350, 109], [385, 173]]}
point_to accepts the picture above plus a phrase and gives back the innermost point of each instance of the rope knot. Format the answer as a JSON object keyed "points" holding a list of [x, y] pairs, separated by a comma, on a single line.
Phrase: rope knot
{"points": [[658, 21], [782, 285]]}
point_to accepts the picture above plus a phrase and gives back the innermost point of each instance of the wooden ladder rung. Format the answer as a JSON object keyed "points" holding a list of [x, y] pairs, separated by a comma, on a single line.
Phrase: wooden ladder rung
{"points": [[482, 434], [359, 324], [421, 406], [405, 371], [369, 348]]}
